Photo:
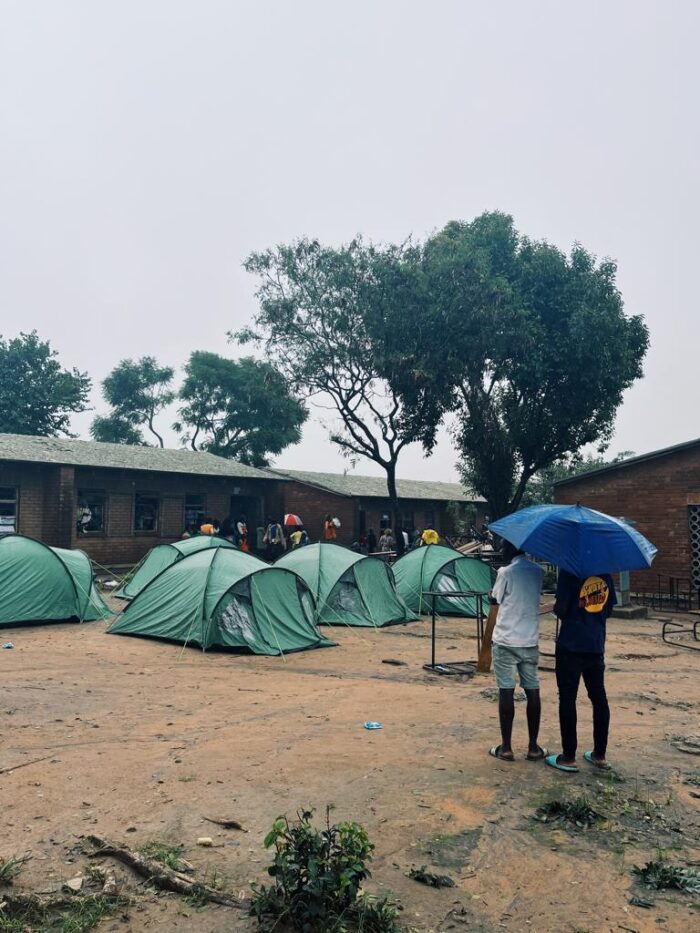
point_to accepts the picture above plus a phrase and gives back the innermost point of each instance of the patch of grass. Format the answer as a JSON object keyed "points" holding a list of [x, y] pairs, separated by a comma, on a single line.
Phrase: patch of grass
{"points": [[187, 778], [660, 875], [693, 779], [165, 853], [577, 812], [11, 867], [81, 916]]}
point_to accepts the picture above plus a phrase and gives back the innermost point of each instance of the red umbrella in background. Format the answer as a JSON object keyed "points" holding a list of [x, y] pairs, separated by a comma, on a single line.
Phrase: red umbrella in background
{"points": [[292, 520]]}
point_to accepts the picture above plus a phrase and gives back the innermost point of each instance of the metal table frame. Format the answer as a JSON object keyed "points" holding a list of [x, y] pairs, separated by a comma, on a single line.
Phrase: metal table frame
{"points": [[680, 628], [452, 666]]}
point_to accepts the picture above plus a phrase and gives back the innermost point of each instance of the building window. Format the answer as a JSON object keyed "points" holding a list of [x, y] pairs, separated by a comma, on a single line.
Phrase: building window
{"points": [[146, 513], [385, 521], [429, 518], [92, 512], [195, 508], [407, 523], [8, 510]]}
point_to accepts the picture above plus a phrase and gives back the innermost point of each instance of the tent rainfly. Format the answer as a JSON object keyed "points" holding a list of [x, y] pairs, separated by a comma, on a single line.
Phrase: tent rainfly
{"points": [[436, 568], [39, 583], [349, 588], [221, 597], [162, 556]]}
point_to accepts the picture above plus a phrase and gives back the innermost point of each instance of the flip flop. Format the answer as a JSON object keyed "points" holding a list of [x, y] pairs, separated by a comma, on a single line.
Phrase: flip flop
{"points": [[552, 761], [539, 755], [591, 761], [495, 752]]}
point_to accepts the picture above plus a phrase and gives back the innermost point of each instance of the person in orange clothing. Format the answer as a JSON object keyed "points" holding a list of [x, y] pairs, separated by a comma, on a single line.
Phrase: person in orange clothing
{"points": [[207, 527], [330, 532]]}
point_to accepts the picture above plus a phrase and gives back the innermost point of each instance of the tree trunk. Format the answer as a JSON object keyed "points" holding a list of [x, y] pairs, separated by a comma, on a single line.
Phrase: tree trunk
{"points": [[394, 507], [153, 430]]}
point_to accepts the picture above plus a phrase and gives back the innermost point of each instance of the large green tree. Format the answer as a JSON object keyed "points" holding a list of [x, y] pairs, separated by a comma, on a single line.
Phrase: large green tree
{"points": [[317, 308], [529, 347], [37, 395], [242, 409], [137, 392]]}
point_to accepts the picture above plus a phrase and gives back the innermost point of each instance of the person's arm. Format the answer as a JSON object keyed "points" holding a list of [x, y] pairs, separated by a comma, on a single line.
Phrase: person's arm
{"points": [[499, 588]]}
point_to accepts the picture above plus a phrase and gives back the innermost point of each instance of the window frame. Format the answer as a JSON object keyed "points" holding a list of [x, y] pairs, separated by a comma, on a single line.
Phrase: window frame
{"points": [[14, 502], [102, 493], [142, 531], [202, 513]]}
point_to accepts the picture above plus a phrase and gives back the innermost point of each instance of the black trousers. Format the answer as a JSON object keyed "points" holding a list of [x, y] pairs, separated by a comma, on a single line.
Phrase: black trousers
{"points": [[571, 666]]}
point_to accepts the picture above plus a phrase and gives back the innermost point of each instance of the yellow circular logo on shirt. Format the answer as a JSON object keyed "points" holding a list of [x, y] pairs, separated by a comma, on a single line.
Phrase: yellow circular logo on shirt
{"points": [[594, 594]]}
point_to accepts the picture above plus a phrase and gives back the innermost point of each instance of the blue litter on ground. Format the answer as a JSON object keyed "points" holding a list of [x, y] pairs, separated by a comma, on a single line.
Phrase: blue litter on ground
{"points": [[8, 644], [373, 725]]}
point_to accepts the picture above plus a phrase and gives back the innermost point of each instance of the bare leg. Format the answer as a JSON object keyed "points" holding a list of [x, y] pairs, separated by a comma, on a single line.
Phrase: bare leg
{"points": [[506, 714], [534, 712]]}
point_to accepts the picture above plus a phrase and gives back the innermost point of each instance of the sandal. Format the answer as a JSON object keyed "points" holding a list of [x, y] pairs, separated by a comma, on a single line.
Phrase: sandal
{"points": [[553, 762], [495, 752], [538, 755], [601, 766]]}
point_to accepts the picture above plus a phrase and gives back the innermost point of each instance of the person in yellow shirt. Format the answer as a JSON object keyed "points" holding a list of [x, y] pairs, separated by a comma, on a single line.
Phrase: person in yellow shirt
{"points": [[429, 536]]}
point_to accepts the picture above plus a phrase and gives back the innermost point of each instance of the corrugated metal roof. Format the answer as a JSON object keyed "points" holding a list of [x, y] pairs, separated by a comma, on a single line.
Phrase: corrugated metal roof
{"points": [[631, 461], [374, 487], [29, 449]]}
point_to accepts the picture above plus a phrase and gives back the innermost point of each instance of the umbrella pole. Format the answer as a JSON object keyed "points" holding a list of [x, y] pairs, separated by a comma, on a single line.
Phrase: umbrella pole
{"points": [[432, 656]]}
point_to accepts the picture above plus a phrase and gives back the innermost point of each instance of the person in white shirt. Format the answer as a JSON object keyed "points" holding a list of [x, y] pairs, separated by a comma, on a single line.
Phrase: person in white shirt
{"points": [[515, 648]]}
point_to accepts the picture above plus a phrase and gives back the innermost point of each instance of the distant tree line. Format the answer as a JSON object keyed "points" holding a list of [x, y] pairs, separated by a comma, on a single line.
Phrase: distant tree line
{"points": [[524, 350]]}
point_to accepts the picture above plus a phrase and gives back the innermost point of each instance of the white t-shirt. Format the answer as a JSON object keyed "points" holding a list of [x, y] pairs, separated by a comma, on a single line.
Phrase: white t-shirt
{"points": [[517, 592]]}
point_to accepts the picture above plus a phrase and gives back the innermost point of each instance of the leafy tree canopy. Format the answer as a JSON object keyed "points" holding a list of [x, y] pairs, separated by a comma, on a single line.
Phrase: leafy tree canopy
{"points": [[241, 409], [116, 429], [137, 391], [529, 347], [38, 396], [319, 307]]}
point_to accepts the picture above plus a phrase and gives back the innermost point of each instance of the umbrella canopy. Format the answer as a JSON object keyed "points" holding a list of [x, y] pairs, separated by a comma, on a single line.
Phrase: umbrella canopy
{"points": [[580, 540], [290, 519]]}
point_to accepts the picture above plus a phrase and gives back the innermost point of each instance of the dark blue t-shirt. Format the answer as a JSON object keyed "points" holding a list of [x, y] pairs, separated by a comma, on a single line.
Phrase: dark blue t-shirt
{"points": [[583, 606]]}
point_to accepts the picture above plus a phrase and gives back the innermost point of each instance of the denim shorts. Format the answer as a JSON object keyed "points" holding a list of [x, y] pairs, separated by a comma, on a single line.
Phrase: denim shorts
{"points": [[506, 661]]}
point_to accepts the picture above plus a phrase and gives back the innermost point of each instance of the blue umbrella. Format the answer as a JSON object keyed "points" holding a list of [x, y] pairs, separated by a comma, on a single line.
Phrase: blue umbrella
{"points": [[580, 540]]}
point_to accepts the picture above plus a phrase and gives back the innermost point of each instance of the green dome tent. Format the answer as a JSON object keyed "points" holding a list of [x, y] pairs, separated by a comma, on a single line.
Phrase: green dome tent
{"points": [[436, 568], [39, 583], [222, 597], [349, 588], [162, 556]]}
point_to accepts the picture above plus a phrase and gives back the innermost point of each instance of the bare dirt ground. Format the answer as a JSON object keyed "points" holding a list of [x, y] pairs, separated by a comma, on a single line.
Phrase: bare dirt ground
{"points": [[141, 740]]}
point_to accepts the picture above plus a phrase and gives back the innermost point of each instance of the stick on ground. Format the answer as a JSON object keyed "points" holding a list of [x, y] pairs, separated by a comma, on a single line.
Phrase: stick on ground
{"points": [[160, 876]]}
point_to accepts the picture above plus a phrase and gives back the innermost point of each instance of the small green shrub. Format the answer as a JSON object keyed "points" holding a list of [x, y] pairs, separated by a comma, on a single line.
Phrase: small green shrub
{"points": [[658, 875], [577, 812], [317, 880]]}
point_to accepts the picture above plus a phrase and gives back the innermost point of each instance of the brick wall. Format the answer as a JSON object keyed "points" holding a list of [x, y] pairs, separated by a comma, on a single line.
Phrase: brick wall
{"points": [[656, 495], [312, 505]]}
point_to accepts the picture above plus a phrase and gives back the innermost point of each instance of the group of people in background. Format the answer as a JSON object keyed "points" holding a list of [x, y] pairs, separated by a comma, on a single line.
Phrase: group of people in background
{"points": [[273, 539], [390, 544]]}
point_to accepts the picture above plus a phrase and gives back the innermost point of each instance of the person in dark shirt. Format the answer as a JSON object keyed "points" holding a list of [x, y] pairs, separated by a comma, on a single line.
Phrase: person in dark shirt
{"points": [[582, 606]]}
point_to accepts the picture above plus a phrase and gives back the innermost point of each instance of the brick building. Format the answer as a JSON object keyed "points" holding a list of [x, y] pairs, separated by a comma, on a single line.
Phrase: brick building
{"points": [[361, 503], [660, 493], [137, 497]]}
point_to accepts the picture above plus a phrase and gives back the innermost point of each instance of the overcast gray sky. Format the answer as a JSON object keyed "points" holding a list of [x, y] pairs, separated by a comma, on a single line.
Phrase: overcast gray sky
{"points": [[147, 146]]}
